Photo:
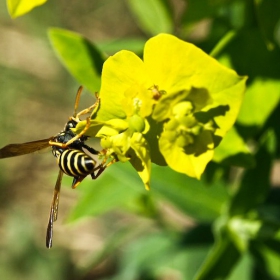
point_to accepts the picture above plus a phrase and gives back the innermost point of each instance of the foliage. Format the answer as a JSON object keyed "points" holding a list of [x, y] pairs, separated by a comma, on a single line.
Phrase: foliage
{"points": [[195, 105], [20, 7], [173, 112]]}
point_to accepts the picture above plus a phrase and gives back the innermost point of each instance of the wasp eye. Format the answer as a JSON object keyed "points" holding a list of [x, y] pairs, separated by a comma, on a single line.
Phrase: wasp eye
{"points": [[70, 124]]}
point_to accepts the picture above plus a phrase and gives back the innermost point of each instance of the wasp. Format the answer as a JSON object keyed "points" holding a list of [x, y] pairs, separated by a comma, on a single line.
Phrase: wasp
{"points": [[74, 157]]}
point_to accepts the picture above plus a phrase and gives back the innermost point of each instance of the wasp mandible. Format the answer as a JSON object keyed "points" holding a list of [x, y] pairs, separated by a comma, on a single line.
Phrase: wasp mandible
{"points": [[74, 157]]}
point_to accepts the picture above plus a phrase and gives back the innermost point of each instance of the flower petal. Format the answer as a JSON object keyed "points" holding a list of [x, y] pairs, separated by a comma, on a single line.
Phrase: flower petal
{"points": [[175, 66], [120, 72], [141, 160], [189, 164]]}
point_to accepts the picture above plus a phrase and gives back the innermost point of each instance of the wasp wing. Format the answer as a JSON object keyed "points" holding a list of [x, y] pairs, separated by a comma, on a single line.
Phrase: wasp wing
{"points": [[54, 209], [13, 150]]}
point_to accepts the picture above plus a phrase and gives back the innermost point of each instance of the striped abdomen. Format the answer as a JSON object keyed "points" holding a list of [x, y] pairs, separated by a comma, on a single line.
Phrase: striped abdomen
{"points": [[76, 163]]}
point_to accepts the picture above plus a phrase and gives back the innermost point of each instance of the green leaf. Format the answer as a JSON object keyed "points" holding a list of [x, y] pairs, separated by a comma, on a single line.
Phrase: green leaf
{"points": [[142, 257], [233, 151], [255, 183], [160, 254], [230, 13], [261, 98], [111, 244], [221, 260], [267, 258], [268, 16], [153, 16], [243, 269], [82, 59], [116, 187], [197, 10], [192, 197], [262, 95], [135, 45], [242, 230], [120, 186], [18, 8]]}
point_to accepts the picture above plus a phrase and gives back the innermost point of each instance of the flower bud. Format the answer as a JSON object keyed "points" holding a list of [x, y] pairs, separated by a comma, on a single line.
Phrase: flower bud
{"points": [[196, 130], [188, 121], [184, 140], [182, 109], [172, 125], [106, 142], [136, 123]]}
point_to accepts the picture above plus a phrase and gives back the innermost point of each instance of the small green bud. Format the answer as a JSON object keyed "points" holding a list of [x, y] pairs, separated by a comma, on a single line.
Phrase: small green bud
{"points": [[184, 140], [136, 123], [196, 130], [106, 142], [170, 135], [188, 121], [172, 125], [182, 109]]}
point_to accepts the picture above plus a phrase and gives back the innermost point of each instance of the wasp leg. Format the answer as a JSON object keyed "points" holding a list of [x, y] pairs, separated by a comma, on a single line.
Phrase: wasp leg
{"points": [[57, 144], [65, 145], [76, 115], [99, 172], [101, 168], [89, 149], [77, 101], [78, 136], [89, 109]]}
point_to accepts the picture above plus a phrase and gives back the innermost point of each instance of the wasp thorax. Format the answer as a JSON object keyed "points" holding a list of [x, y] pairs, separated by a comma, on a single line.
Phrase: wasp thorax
{"points": [[65, 136]]}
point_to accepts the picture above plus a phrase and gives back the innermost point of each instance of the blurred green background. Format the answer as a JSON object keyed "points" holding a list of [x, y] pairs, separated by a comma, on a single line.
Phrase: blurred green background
{"points": [[37, 98], [225, 226]]}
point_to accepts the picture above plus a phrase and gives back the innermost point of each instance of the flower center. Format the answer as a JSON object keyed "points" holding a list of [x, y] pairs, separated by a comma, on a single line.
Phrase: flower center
{"points": [[137, 103]]}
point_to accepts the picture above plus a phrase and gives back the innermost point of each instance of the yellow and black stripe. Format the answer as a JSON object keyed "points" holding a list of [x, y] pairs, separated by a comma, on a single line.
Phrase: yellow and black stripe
{"points": [[76, 163]]}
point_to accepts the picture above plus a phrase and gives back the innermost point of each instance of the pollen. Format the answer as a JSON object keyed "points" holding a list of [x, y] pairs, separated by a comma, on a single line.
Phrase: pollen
{"points": [[137, 103]]}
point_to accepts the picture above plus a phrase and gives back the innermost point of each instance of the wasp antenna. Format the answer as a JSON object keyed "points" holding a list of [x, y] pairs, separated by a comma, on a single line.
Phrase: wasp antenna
{"points": [[77, 101]]}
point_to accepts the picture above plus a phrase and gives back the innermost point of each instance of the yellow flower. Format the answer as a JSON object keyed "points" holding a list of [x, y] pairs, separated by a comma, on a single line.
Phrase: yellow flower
{"points": [[178, 100]]}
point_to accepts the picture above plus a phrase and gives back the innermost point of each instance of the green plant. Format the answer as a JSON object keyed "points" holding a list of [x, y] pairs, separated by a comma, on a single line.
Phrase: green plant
{"points": [[178, 110]]}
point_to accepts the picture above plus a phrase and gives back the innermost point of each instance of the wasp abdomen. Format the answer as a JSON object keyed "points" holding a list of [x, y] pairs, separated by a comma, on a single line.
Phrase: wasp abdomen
{"points": [[76, 163]]}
